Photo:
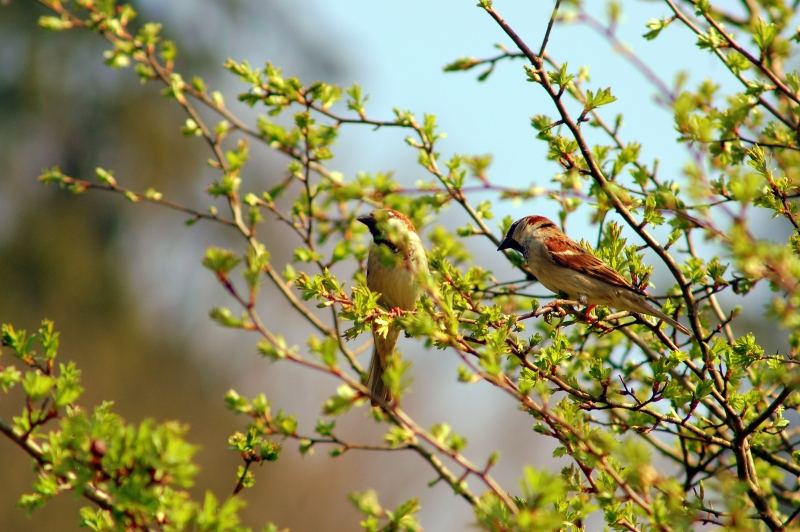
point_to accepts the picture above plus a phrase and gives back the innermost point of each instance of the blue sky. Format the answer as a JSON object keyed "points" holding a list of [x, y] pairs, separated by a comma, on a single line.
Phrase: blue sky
{"points": [[396, 51]]}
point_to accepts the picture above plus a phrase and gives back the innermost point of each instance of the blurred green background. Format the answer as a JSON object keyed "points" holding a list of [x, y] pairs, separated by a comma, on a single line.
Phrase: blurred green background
{"points": [[139, 338]]}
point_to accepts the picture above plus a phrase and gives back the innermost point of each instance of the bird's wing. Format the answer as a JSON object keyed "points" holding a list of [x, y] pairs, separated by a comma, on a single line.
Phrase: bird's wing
{"points": [[568, 254]]}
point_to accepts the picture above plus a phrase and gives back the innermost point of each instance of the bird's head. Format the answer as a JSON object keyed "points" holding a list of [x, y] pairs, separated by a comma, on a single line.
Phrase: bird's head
{"points": [[392, 229], [525, 229]]}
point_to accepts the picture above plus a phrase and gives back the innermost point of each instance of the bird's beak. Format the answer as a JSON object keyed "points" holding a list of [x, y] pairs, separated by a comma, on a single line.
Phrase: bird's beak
{"points": [[509, 243], [506, 243], [369, 221]]}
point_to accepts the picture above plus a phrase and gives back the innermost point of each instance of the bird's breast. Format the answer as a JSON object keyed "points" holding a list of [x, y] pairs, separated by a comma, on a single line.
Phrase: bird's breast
{"points": [[398, 284]]}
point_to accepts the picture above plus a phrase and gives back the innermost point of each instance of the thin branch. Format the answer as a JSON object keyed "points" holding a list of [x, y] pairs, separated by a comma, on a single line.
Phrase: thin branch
{"points": [[781, 86], [87, 490], [83, 184], [763, 101], [765, 415], [643, 68], [549, 27]]}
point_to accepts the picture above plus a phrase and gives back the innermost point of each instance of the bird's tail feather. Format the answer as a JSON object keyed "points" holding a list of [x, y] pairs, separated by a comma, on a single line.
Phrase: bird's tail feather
{"points": [[380, 392], [384, 348], [647, 308], [672, 322]]}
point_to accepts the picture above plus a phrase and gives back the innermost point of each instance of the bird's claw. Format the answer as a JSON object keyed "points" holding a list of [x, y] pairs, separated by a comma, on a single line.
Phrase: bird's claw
{"points": [[593, 321], [555, 307]]}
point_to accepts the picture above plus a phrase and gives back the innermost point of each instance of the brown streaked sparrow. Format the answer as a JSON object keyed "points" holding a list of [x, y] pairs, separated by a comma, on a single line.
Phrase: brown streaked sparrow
{"points": [[561, 265], [396, 266]]}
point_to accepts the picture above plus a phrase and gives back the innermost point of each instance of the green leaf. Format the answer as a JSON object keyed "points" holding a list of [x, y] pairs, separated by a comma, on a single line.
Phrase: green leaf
{"points": [[37, 385], [746, 351], [54, 23], [9, 376], [326, 349], [276, 349], [654, 27], [52, 175], [597, 99], [220, 260], [191, 129], [398, 436], [246, 478], [325, 428], [49, 339], [214, 517], [270, 450], [402, 517], [96, 519], [68, 387], [225, 317], [366, 502], [764, 33], [341, 402], [704, 388], [462, 63], [105, 177], [227, 185], [237, 403], [443, 433]]}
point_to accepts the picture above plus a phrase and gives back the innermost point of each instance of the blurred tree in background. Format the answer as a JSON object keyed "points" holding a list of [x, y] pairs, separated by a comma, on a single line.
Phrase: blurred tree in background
{"points": [[68, 261], [649, 430], [74, 263]]}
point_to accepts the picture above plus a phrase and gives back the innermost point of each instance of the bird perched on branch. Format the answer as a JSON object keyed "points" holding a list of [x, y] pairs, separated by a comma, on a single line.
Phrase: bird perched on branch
{"points": [[396, 268], [561, 265]]}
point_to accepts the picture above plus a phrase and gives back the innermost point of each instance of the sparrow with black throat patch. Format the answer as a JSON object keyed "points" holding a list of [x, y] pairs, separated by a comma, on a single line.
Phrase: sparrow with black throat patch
{"points": [[396, 266], [561, 265]]}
